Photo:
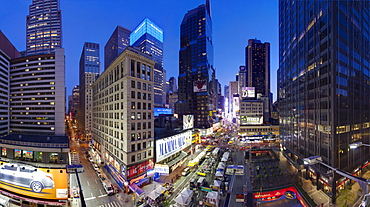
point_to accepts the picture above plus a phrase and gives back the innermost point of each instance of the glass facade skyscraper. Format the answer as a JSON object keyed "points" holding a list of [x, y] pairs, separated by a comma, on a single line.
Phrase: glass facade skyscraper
{"points": [[323, 83], [44, 27], [89, 72], [117, 43], [148, 37], [257, 61], [195, 88]]}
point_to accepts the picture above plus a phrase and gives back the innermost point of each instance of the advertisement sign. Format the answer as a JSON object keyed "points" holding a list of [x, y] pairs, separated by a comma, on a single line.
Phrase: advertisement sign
{"points": [[248, 92], [248, 120], [140, 168], [200, 85], [164, 169], [28, 180], [171, 145], [188, 121], [158, 111]]}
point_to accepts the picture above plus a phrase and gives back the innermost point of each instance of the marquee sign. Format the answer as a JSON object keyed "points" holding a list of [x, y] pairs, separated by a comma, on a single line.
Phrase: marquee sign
{"points": [[171, 145]]}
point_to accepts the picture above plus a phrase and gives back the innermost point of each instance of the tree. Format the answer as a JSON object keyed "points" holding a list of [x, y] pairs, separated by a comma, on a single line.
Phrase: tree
{"points": [[345, 197]]}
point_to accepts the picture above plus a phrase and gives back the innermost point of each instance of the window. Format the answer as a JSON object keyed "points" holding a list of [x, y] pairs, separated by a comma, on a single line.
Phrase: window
{"points": [[149, 96], [144, 125], [138, 136], [149, 125], [144, 105], [132, 158], [144, 96], [138, 156], [132, 115], [132, 84], [138, 116], [132, 126], [138, 105], [138, 85], [149, 115], [133, 137], [144, 155], [133, 148], [149, 87], [3, 152], [132, 94], [144, 86], [150, 153], [138, 126], [149, 106], [138, 95], [144, 145], [132, 105], [148, 69], [149, 135], [139, 146], [144, 115]]}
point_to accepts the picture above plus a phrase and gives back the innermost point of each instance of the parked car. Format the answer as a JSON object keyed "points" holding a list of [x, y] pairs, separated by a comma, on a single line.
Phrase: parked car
{"points": [[91, 159], [26, 176], [96, 167]]}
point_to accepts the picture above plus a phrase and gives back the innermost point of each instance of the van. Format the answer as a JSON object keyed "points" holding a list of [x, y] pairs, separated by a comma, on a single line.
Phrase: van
{"points": [[185, 172]]}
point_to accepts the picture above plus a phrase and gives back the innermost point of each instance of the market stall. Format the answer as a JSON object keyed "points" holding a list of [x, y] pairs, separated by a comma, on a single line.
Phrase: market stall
{"points": [[184, 198]]}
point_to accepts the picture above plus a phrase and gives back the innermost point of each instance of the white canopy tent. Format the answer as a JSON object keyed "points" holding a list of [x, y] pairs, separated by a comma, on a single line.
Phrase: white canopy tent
{"points": [[219, 174], [154, 195], [184, 198]]}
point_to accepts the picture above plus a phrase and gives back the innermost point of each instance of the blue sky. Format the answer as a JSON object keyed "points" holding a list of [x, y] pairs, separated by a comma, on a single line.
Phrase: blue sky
{"points": [[234, 22]]}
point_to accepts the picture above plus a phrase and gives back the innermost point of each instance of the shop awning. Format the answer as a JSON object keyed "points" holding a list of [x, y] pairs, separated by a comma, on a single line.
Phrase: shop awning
{"points": [[141, 181], [177, 159], [139, 192]]}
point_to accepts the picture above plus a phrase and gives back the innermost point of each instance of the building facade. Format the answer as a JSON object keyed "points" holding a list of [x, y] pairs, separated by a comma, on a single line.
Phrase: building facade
{"points": [[323, 83], [43, 27], [89, 72], [196, 93], [148, 38], [123, 123], [37, 94], [117, 43], [257, 61]]}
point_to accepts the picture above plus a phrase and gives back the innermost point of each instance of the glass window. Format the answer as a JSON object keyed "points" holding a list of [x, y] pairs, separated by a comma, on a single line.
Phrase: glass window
{"points": [[149, 87], [132, 147], [144, 155], [149, 115], [3, 152], [138, 116], [148, 69], [138, 126], [144, 125], [144, 145], [132, 115], [144, 96], [138, 156], [144, 86], [132, 84], [138, 105], [27, 155], [144, 105], [132, 158], [138, 146], [150, 153], [149, 96], [54, 157], [138, 136], [38, 156], [138, 95], [149, 106], [17, 153], [133, 137], [144, 115], [149, 125], [132, 105], [132, 94], [138, 85], [132, 126]]}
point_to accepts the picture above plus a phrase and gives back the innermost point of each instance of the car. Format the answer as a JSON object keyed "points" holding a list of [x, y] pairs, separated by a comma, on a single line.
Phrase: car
{"points": [[26, 176], [96, 167], [185, 172], [91, 159]]}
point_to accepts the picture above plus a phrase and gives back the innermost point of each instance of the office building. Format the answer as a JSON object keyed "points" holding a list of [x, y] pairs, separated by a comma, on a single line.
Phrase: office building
{"points": [[323, 83], [43, 27], [148, 38], [117, 43], [196, 94], [257, 62], [123, 123], [89, 72], [75, 103], [172, 84]]}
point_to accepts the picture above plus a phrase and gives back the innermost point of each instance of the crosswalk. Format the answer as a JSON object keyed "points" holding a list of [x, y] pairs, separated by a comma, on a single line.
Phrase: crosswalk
{"points": [[112, 204]]}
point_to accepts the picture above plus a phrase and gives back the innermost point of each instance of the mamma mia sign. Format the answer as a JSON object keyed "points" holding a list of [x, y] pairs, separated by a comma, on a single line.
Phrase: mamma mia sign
{"points": [[171, 145]]}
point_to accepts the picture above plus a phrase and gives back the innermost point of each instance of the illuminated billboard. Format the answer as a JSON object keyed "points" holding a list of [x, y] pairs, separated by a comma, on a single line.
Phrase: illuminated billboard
{"points": [[171, 145], [248, 92], [188, 122], [249, 120], [158, 111], [41, 183], [200, 85]]}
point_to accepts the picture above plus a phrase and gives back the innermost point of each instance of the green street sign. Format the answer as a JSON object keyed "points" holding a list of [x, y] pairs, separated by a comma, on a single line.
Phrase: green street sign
{"points": [[206, 189]]}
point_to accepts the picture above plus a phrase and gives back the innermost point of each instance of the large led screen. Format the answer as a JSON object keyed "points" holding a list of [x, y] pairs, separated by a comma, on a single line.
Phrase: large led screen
{"points": [[42, 183]]}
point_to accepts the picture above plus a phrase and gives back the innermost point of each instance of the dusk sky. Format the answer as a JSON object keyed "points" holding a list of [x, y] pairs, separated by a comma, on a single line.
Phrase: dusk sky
{"points": [[234, 22]]}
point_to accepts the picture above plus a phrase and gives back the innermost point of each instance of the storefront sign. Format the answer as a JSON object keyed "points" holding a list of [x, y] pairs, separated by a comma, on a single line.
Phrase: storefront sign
{"points": [[159, 168], [171, 145]]}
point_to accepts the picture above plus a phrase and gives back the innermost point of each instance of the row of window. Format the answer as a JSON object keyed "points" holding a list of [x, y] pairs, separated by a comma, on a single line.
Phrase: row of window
{"points": [[139, 95], [138, 126], [140, 156]]}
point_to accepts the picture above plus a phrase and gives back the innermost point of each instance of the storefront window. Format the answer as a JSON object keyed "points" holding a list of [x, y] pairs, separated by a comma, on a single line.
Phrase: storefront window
{"points": [[17, 154], [27, 155], [54, 157], [3, 152], [38, 156]]}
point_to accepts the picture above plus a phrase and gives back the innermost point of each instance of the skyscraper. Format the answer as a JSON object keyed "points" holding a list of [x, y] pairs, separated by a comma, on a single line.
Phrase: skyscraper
{"points": [[257, 61], [117, 43], [323, 83], [89, 72], [148, 37], [44, 27], [172, 84], [196, 94]]}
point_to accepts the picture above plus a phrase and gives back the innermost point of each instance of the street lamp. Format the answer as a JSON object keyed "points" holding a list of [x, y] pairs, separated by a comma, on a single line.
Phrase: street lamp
{"points": [[357, 144]]}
